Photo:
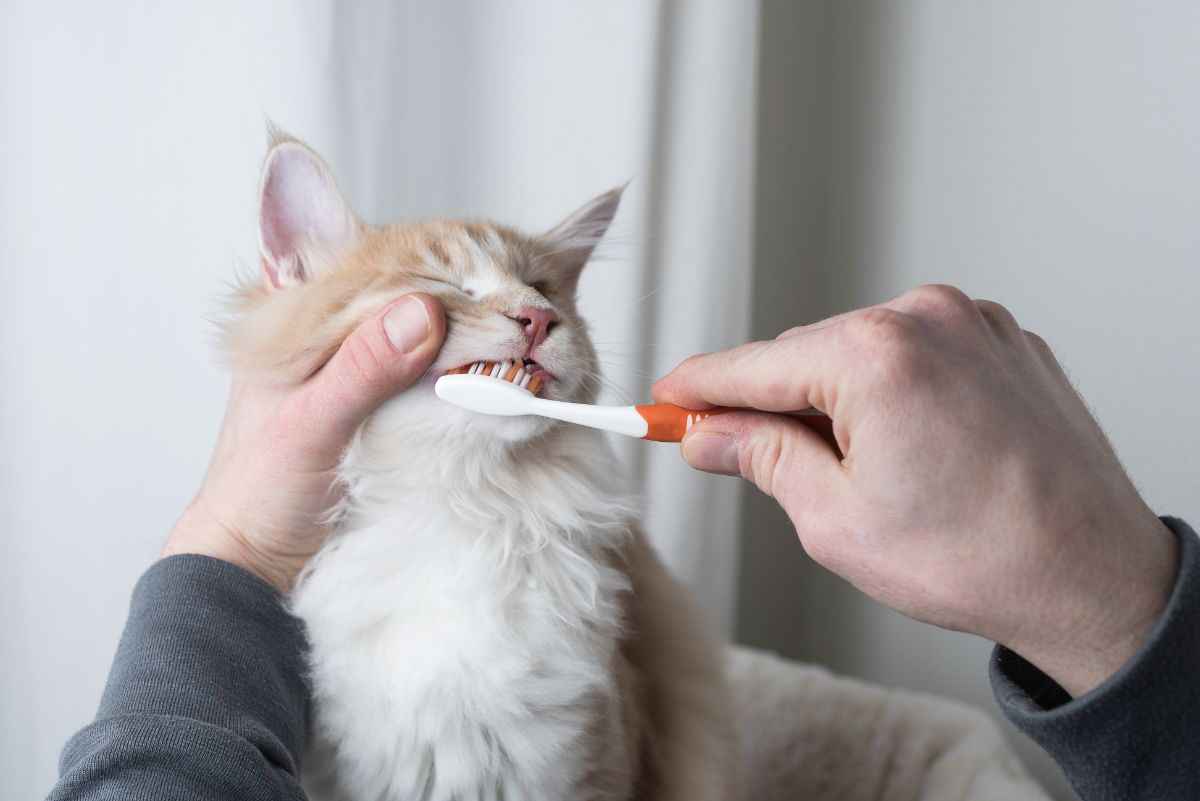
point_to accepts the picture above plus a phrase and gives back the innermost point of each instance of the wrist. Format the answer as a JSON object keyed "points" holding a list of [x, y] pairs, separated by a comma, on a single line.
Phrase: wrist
{"points": [[199, 532], [1101, 610]]}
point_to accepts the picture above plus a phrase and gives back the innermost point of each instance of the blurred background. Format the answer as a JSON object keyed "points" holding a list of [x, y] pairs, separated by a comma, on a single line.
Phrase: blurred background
{"points": [[789, 160]]}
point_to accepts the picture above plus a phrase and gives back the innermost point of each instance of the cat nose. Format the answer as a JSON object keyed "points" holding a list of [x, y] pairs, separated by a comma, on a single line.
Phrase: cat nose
{"points": [[536, 323]]}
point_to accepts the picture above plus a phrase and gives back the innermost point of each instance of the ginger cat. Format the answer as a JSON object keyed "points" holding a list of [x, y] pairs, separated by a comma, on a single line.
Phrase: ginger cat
{"points": [[487, 621]]}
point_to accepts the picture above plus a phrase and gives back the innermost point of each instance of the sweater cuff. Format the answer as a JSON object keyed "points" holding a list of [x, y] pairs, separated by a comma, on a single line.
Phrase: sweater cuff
{"points": [[209, 641], [1137, 728]]}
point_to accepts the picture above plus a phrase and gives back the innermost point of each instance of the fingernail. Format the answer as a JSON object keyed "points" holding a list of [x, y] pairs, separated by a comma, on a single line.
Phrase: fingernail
{"points": [[407, 324], [713, 453]]}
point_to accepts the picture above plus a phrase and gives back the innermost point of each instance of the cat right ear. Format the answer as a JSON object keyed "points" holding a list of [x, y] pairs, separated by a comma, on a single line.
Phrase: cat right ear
{"points": [[575, 238], [303, 218]]}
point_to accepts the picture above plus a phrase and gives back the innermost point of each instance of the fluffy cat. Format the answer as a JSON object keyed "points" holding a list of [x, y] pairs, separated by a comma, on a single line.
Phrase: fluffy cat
{"points": [[486, 622]]}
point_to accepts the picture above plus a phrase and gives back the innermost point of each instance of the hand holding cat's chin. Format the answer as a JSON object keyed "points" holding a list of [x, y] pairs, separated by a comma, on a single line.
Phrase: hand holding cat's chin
{"points": [[272, 480], [972, 490]]}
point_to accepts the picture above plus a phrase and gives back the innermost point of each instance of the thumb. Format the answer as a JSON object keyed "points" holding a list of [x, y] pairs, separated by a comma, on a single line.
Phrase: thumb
{"points": [[381, 358], [784, 457]]}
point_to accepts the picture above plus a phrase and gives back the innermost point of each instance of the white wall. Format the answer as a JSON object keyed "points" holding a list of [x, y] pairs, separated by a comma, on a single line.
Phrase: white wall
{"points": [[1044, 155], [129, 163]]}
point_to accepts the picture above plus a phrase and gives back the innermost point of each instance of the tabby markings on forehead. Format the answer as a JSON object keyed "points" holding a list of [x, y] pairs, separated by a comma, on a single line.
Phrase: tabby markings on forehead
{"points": [[483, 282], [437, 254], [483, 245]]}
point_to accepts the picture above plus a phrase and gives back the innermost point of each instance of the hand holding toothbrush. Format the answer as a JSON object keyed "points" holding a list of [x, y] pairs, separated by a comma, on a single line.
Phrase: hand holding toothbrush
{"points": [[973, 489]]}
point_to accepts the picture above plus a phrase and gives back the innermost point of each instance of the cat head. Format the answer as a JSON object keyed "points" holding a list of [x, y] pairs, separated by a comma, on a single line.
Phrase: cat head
{"points": [[507, 295]]}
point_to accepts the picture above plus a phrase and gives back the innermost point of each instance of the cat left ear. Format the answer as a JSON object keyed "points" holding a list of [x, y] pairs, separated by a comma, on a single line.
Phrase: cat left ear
{"points": [[574, 239], [302, 215]]}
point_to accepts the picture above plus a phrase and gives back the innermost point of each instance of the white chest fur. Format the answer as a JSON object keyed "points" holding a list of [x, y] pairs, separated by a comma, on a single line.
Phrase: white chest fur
{"points": [[463, 641]]}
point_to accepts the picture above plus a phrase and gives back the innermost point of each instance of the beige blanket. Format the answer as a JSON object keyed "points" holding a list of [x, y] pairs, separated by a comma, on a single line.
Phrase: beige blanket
{"points": [[811, 736]]}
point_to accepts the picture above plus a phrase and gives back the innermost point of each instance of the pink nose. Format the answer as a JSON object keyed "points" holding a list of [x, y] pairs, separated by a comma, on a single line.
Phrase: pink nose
{"points": [[536, 323]]}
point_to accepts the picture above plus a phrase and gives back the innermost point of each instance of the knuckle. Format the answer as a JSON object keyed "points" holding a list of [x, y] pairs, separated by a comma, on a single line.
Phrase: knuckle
{"points": [[693, 364], [940, 299], [997, 315], [889, 343], [744, 351], [775, 385], [880, 327], [774, 391], [791, 332], [762, 460], [1038, 344]]}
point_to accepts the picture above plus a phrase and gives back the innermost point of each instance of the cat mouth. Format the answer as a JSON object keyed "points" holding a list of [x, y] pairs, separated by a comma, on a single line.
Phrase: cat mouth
{"points": [[526, 373]]}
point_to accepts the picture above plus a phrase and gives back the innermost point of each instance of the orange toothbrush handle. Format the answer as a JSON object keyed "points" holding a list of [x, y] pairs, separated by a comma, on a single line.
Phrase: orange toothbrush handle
{"points": [[666, 422]]}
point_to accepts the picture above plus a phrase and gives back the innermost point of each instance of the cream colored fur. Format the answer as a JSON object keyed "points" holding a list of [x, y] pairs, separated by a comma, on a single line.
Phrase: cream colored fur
{"points": [[486, 621], [810, 736]]}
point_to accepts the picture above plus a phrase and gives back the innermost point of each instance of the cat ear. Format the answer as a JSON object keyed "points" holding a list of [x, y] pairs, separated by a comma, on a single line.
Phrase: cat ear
{"points": [[301, 213], [573, 240]]}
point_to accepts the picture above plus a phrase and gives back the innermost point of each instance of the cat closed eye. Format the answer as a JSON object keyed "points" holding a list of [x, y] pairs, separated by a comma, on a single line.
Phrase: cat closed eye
{"points": [[468, 291]]}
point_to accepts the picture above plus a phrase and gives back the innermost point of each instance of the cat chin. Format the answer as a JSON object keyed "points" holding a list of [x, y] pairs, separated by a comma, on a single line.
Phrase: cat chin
{"points": [[507, 429], [472, 427], [431, 419]]}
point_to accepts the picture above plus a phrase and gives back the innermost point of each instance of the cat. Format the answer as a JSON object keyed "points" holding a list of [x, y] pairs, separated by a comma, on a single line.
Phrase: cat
{"points": [[487, 621]]}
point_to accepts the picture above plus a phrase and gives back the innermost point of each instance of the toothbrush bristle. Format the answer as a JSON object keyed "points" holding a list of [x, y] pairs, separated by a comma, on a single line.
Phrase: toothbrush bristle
{"points": [[511, 371]]}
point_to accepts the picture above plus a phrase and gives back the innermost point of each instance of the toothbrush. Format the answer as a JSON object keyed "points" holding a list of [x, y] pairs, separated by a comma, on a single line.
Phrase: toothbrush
{"points": [[507, 389]]}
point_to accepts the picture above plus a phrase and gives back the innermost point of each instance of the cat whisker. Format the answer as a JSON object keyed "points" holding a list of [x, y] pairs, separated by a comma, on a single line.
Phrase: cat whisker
{"points": [[637, 373], [629, 306], [620, 354], [603, 383], [648, 345]]}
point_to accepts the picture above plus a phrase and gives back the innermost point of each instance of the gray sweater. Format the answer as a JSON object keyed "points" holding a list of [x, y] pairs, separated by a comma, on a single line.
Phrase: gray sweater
{"points": [[207, 699]]}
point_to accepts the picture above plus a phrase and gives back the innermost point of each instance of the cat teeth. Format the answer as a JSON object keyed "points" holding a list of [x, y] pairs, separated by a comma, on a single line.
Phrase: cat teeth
{"points": [[512, 370]]}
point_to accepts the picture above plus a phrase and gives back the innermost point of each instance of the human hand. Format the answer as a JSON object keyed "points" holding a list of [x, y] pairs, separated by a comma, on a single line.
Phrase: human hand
{"points": [[272, 478], [976, 490]]}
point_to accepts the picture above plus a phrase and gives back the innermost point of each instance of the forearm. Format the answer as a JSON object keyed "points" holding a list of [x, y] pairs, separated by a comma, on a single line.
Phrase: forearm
{"points": [[206, 698], [1136, 735]]}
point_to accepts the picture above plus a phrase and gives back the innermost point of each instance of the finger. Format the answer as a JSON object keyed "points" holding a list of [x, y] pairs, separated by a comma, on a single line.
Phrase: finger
{"points": [[380, 359], [784, 375], [817, 326], [783, 457]]}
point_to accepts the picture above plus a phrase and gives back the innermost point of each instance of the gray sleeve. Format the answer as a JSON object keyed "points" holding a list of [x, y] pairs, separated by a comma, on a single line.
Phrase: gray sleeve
{"points": [[1137, 735], [206, 698]]}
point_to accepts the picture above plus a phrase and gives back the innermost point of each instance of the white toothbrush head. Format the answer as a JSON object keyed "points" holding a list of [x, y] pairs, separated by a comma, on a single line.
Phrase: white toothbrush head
{"points": [[482, 393]]}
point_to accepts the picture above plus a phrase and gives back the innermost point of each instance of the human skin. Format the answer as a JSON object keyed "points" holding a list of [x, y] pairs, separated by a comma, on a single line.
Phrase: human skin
{"points": [[272, 479], [973, 489]]}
